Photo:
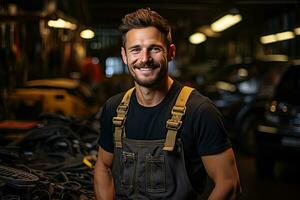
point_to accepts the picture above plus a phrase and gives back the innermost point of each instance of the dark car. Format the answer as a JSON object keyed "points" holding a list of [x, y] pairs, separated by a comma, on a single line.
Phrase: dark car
{"points": [[278, 135], [240, 91]]}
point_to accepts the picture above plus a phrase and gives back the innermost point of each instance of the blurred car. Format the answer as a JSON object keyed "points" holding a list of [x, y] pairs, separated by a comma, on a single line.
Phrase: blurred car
{"points": [[240, 92], [59, 95], [278, 134]]}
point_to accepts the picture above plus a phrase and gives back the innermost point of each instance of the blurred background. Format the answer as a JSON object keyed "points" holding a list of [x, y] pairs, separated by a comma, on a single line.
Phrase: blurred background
{"points": [[60, 61]]}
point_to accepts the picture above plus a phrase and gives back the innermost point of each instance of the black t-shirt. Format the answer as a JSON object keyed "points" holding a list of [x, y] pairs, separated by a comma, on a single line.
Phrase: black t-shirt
{"points": [[202, 131]]}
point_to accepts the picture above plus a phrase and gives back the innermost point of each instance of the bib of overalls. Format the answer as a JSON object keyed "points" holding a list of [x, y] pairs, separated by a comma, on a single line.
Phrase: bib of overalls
{"points": [[150, 169]]}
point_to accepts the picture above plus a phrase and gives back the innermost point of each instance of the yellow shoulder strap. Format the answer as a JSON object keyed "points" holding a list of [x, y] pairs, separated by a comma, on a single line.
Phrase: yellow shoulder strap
{"points": [[119, 120], [174, 123]]}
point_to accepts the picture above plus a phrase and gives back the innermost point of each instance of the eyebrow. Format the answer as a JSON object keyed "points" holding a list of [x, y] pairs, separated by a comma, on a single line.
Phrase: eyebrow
{"points": [[151, 46], [133, 47]]}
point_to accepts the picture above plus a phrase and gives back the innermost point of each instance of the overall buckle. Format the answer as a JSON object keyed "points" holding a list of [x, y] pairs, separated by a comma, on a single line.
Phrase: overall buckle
{"points": [[118, 121], [173, 124]]}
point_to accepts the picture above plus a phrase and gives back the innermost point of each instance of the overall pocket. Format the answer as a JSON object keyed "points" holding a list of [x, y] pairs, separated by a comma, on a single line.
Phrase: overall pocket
{"points": [[155, 174], [128, 169]]}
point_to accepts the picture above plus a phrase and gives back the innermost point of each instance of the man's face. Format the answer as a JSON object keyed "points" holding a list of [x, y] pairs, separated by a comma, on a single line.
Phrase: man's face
{"points": [[147, 56]]}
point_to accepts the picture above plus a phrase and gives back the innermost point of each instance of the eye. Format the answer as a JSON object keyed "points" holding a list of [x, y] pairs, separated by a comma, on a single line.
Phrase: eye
{"points": [[135, 50], [156, 49]]}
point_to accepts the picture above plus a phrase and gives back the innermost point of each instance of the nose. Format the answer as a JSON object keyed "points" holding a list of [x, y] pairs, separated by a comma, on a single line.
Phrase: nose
{"points": [[145, 56]]}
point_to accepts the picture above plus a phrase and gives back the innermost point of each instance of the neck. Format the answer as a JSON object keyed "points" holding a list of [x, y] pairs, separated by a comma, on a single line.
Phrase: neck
{"points": [[150, 97]]}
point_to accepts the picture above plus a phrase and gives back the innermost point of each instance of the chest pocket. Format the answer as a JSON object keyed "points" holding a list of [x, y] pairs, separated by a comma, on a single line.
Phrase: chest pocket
{"points": [[128, 168], [155, 174]]}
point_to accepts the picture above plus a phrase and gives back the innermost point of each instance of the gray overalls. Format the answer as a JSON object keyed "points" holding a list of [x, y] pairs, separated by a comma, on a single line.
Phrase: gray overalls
{"points": [[151, 169]]}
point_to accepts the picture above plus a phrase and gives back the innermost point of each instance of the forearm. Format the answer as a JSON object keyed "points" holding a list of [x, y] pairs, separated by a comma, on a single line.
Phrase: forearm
{"points": [[222, 169], [227, 190], [103, 183]]}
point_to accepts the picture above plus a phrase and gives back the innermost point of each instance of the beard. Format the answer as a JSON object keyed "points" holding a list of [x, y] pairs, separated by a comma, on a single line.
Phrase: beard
{"points": [[150, 83]]}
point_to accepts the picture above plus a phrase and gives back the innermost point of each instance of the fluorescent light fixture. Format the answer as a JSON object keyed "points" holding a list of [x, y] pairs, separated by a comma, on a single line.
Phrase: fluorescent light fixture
{"points": [[87, 34], [287, 35], [197, 38], [297, 31], [226, 22], [206, 29], [60, 23], [268, 39]]}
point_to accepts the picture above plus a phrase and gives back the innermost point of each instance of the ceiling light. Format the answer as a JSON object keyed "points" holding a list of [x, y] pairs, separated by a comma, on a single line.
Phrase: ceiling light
{"points": [[277, 37], [297, 31], [197, 38], [268, 39], [60, 23], [226, 22], [87, 34], [206, 29], [285, 35]]}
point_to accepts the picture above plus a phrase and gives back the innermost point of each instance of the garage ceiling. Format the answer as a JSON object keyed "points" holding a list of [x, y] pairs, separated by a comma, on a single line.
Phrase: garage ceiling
{"points": [[188, 14], [260, 17]]}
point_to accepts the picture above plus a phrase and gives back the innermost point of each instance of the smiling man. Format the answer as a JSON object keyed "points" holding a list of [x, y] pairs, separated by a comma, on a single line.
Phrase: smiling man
{"points": [[147, 56], [159, 140]]}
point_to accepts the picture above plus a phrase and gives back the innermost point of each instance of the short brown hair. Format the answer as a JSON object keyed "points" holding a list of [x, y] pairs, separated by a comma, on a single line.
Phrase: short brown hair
{"points": [[143, 18]]}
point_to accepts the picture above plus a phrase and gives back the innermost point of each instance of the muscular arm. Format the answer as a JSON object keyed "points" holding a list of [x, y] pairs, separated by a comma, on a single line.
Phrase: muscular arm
{"points": [[222, 169], [103, 181]]}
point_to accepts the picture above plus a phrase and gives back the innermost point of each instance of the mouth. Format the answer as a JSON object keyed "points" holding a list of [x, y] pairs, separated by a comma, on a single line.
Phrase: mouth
{"points": [[145, 68]]}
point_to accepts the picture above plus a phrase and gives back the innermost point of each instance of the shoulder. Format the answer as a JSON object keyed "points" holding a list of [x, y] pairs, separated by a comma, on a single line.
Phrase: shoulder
{"points": [[199, 102], [204, 123], [201, 109], [110, 106], [115, 100]]}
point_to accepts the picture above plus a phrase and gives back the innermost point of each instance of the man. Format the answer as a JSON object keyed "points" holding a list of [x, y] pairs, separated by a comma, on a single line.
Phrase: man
{"points": [[160, 140]]}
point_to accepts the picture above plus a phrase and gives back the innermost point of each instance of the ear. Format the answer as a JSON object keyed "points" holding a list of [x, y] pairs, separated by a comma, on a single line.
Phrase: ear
{"points": [[123, 53], [171, 52]]}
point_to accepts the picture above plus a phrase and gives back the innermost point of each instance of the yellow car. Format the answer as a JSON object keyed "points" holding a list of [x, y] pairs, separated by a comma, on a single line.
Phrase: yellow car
{"points": [[59, 95]]}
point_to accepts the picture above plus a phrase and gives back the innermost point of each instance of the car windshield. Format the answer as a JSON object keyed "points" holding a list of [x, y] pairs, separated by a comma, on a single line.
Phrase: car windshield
{"points": [[289, 87]]}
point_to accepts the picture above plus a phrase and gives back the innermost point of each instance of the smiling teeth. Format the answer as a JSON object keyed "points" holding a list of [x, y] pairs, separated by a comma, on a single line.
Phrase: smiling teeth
{"points": [[145, 69]]}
